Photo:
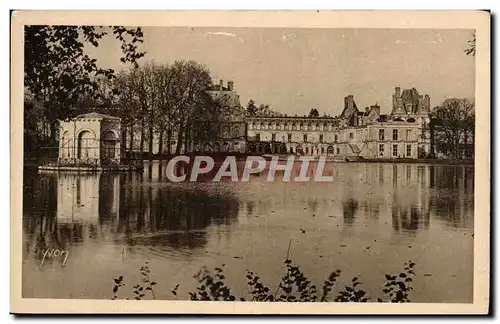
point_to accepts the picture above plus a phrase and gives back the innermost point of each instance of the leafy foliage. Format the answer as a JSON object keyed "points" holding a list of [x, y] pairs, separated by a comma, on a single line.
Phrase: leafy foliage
{"points": [[471, 50], [58, 72], [314, 113], [352, 293], [261, 110], [118, 282], [212, 287], [294, 286], [397, 287]]}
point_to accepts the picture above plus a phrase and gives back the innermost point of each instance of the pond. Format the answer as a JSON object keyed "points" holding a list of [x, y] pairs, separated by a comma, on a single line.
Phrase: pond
{"points": [[80, 231]]}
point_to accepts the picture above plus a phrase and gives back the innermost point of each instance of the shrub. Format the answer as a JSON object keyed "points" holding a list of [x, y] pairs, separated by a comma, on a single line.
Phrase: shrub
{"points": [[294, 286]]}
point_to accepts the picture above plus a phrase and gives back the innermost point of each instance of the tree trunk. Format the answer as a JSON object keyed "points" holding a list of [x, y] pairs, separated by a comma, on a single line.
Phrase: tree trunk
{"points": [[123, 152], [52, 126], [179, 141], [150, 149], [186, 139], [160, 143], [466, 147], [141, 144], [169, 141], [131, 136]]}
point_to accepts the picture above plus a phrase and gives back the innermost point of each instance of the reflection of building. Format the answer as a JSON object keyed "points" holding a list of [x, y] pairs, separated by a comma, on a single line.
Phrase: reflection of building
{"points": [[90, 139], [87, 197]]}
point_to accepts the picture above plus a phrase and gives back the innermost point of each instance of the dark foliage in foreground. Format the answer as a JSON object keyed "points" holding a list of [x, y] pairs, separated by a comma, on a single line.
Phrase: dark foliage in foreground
{"points": [[294, 286]]}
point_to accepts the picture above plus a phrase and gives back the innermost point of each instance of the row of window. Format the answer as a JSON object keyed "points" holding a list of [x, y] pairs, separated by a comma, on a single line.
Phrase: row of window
{"points": [[395, 134], [304, 138], [395, 152], [381, 136], [276, 149], [298, 126]]}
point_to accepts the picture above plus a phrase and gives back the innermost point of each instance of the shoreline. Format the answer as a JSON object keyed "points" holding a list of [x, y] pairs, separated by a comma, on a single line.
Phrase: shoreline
{"points": [[239, 157]]}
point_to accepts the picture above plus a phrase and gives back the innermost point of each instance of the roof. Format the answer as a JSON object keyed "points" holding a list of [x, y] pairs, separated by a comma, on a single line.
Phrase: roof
{"points": [[305, 118], [96, 115]]}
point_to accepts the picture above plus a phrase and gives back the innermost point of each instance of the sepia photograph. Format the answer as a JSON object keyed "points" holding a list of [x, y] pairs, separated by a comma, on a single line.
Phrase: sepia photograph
{"points": [[250, 162]]}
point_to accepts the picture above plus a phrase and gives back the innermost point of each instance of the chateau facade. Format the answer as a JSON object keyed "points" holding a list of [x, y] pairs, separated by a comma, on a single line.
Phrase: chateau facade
{"points": [[354, 133]]}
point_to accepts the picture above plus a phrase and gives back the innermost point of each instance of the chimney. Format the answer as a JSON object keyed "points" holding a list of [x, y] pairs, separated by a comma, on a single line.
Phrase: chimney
{"points": [[397, 91], [349, 102], [221, 85], [376, 108], [230, 85]]}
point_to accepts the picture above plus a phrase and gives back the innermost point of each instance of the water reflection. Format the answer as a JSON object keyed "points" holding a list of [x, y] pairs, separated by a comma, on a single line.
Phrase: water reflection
{"points": [[350, 208], [71, 208], [146, 215]]}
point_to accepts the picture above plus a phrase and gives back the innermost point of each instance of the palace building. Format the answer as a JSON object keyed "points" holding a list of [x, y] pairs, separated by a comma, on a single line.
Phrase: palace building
{"points": [[231, 135], [354, 133]]}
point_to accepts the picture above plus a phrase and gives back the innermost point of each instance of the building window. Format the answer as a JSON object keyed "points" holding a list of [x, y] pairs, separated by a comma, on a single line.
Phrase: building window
{"points": [[257, 137], [305, 138], [321, 138], [336, 138], [408, 134], [322, 151], [395, 150], [307, 150], [408, 150], [381, 134], [351, 135], [289, 138], [273, 137], [338, 151], [381, 149], [394, 134]]}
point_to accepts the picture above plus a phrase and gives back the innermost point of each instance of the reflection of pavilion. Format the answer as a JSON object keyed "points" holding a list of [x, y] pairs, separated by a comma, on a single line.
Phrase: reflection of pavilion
{"points": [[87, 197]]}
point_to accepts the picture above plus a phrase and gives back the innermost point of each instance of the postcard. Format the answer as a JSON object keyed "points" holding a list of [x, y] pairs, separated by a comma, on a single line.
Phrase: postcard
{"points": [[250, 162]]}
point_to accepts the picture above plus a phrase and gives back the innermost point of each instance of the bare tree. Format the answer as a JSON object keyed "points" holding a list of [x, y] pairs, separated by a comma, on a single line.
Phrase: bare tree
{"points": [[453, 128], [188, 91], [167, 99]]}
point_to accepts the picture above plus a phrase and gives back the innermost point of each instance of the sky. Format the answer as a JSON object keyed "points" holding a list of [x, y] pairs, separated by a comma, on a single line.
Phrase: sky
{"points": [[295, 70]]}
